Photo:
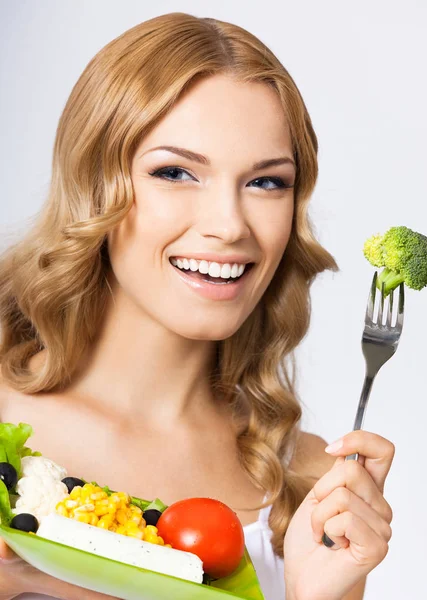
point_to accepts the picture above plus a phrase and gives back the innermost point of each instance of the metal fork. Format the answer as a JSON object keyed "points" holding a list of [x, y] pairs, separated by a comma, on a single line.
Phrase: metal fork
{"points": [[379, 343]]}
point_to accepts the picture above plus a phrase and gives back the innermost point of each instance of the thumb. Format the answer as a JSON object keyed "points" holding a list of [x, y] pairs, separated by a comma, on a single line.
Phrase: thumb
{"points": [[6, 554]]}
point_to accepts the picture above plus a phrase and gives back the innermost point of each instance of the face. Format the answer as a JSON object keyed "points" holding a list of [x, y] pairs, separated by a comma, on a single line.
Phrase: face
{"points": [[205, 205]]}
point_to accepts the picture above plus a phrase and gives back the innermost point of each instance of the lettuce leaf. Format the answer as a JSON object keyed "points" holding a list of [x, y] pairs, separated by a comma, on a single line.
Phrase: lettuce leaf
{"points": [[12, 449], [5, 511], [12, 440]]}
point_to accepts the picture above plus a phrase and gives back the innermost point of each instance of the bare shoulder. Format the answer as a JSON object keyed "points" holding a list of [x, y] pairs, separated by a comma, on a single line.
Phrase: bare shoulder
{"points": [[14, 404], [6, 396], [17, 406], [309, 458]]}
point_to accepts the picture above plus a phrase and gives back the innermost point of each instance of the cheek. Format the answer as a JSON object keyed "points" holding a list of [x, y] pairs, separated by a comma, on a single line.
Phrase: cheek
{"points": [[273, 230], [150, 225], [136, 246]]}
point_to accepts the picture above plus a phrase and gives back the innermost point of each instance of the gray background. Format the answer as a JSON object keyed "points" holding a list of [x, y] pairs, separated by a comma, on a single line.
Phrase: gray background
{"points": [[361, 71]]}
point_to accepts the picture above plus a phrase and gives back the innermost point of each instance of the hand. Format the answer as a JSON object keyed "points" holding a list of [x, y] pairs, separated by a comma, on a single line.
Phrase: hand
{"points": [[347, 504], [17, 577]]}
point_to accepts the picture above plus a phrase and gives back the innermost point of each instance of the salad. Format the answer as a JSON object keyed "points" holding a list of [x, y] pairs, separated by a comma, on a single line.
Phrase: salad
{"points": [[198, 539]]}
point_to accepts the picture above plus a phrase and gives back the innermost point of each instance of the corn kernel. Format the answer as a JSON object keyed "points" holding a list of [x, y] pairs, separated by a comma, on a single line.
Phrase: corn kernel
{"points": [[150, 537], [93, 519], [115, 498], [88, 487], [98, 495], [101, 501], [70, 504], [121, 529], [61, 510], [122, 516], [142, 524], [136, 519], [168, 546], [112, 507], [75, 492], [105, 521], [84, 508], [82, 517], [152, 528], [136, 533], [160, 541], [135, 509], [101, 510]]}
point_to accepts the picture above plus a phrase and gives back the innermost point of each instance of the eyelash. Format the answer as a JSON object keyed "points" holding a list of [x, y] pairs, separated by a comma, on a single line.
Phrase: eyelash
{"points": [[277, 180]]}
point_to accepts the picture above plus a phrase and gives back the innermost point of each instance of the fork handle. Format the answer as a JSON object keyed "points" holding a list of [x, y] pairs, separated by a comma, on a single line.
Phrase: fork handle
{"points": [[358, 422], [361, 409]]}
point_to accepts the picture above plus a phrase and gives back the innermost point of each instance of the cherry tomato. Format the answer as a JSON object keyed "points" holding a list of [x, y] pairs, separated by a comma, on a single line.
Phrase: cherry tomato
{"points": [[208, 528]]}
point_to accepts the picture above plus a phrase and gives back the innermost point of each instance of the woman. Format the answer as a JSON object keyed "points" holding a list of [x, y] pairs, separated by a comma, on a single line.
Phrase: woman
{"points": [[184, 159]]}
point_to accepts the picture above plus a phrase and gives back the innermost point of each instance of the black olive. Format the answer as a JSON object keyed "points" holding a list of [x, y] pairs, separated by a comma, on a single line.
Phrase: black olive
{"points": [[8, 475], [25, 522], [71, 483], [151, 516]]}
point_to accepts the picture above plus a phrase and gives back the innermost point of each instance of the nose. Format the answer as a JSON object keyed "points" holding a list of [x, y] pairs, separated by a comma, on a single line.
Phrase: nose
{"points": [[222, 215]]}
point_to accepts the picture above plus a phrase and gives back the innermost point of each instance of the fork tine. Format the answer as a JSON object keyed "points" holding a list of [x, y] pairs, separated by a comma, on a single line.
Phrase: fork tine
{"points": [[390, 311], [381, 308], [399, 322], [371, 300]]}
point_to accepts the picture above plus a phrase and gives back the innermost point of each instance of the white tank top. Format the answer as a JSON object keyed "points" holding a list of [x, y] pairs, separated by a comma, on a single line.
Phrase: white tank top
{"points": [[268, 566]]}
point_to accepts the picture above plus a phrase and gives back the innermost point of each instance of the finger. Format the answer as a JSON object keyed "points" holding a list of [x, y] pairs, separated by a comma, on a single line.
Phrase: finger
{"points": [[6, 553], [341, 459], [352, 475], [377, 450], [343, 500], [366, 545]]}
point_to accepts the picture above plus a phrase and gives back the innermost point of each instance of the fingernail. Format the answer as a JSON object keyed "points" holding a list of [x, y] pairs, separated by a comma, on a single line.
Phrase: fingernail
{"points": [[335, 446]]}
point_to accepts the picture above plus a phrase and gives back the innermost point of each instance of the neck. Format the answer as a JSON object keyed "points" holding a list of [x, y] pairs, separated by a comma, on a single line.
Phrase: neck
{"points": [[140, 372]]}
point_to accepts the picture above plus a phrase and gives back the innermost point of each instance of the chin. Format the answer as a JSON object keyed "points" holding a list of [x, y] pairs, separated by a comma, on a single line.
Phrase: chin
{"points": [[208, 331]]}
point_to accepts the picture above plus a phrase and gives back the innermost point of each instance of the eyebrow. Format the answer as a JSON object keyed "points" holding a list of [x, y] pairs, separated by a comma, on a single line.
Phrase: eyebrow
{"points": [[203, 160]]}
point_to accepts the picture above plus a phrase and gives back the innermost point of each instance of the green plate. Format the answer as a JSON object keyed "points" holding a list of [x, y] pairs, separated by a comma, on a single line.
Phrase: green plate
{"points": [[125, 581]]}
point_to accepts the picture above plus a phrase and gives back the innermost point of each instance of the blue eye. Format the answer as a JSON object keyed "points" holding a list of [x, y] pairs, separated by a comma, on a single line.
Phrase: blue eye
{"points": [[165, 173], [278, 182], [161, 172]]}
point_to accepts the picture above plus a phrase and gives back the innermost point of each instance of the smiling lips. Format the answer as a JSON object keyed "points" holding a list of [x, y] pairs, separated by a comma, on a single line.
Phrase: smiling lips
{"points": [[213, 269], [212, 279]]}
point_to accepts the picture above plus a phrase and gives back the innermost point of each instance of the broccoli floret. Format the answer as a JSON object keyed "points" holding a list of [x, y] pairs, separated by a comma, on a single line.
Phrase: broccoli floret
{"points": [[373, 250], [403, 253]]}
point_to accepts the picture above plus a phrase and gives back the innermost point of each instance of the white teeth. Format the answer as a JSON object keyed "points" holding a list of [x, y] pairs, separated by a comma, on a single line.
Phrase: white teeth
{"points": [[203, 266], [194, 265], [225, 271], [214, 269]]}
